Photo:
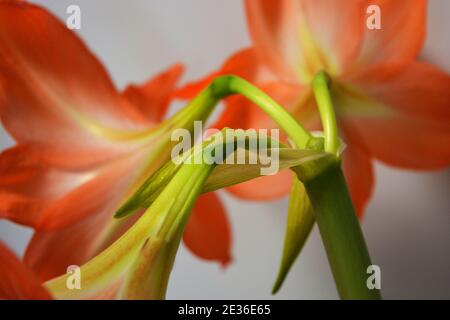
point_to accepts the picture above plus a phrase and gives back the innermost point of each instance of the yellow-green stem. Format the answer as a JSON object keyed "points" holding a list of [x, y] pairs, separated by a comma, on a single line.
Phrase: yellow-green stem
{"points": [[320, 86]]}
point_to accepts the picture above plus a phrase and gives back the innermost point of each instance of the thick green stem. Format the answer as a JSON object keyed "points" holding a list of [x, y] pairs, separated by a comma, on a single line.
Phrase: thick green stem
{"points": [[341, 234]]}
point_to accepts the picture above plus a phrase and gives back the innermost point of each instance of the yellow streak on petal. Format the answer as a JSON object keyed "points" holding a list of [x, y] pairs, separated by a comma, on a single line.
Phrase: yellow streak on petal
{"points": [[111, 264], [352, 102], [109, 133], [313, 58]]}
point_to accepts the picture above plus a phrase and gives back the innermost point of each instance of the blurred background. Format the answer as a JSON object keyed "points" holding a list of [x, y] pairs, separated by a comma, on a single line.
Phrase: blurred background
{"points": [[407, 222]]}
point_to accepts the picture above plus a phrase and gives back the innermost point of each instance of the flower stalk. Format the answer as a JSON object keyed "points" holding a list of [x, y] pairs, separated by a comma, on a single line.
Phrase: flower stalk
{"points": [[334, 212], [341, 234], [320, 86], [323, 198], [330, 203]]}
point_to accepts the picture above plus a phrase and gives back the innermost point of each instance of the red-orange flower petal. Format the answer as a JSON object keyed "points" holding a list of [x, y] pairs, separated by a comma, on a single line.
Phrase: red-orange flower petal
{"points": [[55, 96], [243, 63], [27, 186], [264, 188], [208, 232], [17, 282], [49, 253], [420, 90], [401, 119], [400, 38], [58, 102], [152, 98], [297, 38], [44, 197], [105, 189], [359, 174]]}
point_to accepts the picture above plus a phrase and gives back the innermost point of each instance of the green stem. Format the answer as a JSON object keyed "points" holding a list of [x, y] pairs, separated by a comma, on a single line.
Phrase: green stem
{"points": [[283, 118], [228, 85], [341, 234], [320, 86], [334, 212]]}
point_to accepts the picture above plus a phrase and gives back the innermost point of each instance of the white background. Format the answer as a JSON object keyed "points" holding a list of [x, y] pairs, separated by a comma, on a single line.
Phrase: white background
{"points": [[407, 222]]}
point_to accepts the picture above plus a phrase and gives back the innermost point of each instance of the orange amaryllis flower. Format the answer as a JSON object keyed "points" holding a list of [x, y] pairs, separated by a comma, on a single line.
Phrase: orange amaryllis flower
{"points": [[82, 146], [390, 106]]}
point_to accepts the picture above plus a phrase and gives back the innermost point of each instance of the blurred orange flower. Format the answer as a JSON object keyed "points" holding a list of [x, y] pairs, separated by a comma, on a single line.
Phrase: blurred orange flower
{"points": [[82, 146], [390, 106], [17, 282]]}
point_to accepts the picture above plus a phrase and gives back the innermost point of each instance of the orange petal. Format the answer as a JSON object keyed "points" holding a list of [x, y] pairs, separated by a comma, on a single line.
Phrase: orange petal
{"points": [[79, 225], [240, 113], [208, 233], [49, 253], [269, 26], [47, 198], [401, 120], [236, 114], [243, 63], [264, 188], [419, 90], [27, 186], [298, 38], [401, 35], [17, 282], [54, 94], [153, 97], [191, 89], [105, 189], [359, 174], [404, 142]]}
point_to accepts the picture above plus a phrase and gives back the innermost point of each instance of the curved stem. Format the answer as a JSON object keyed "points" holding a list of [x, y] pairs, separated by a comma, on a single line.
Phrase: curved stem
{"points": [[320, 85], [224, 86], [283, 118]]}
